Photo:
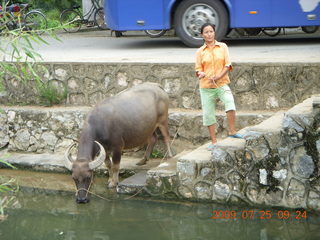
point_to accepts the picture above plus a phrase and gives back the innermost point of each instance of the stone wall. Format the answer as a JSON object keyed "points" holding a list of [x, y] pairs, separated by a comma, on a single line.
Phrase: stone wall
{"points": [[52, 130], [255, 86], [276, 165]]}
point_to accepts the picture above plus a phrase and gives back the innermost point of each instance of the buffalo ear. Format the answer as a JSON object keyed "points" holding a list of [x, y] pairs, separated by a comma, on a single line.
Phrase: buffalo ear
{"points": [[67, 157], [98, 160]]}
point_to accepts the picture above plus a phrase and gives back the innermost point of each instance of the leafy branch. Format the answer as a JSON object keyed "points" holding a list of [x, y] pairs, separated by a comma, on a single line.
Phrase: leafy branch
{"points": [[21, 61]]}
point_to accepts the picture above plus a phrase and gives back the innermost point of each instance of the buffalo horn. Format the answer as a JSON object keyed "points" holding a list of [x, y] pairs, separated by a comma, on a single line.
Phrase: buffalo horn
{"points": [[98, 160], [67, 158]]}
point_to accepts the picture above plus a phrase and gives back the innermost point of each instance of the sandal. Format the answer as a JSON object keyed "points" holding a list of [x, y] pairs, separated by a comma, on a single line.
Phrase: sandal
{"points": [[211, 146], [237, 135]]}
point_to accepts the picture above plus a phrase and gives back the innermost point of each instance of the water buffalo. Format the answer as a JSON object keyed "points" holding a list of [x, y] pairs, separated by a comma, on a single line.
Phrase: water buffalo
{"points": [[124, 121]]}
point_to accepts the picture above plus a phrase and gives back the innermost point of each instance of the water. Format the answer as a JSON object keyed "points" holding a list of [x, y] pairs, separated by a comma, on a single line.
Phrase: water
{"points": [[57, 216]]}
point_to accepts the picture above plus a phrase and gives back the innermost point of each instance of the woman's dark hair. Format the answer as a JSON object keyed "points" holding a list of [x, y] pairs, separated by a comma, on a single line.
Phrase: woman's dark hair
{"points": [[206, 25]]}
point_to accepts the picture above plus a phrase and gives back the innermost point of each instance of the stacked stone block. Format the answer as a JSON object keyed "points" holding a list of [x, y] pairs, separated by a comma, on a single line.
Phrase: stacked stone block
{"points": [[255, 86]]}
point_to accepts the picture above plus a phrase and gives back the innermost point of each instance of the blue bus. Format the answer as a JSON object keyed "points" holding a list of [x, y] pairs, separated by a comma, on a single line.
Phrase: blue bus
{"points": [[187, 16]]}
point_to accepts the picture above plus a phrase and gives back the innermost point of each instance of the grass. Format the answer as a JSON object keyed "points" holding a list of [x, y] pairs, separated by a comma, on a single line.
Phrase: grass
{"points": [[157, 154], [50, 94]]}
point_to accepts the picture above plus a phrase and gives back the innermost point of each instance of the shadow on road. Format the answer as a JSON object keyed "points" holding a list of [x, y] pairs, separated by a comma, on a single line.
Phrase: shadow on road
{"points": [[158, 43], [276, 41]]}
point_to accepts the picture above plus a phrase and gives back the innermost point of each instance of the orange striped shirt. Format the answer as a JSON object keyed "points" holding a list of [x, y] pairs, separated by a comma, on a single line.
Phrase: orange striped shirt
{"points": [[212, 61]]}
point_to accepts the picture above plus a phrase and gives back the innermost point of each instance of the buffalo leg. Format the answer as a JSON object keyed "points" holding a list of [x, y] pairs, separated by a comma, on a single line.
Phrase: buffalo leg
{"points": [[116, 157], [108, 163], [151, 142], [165, 133]]}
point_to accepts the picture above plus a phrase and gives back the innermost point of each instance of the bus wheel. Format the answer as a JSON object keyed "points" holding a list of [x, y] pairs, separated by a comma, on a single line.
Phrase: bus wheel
{"points": [[271, 31], [155, 33], [310, 29], [118, 33], [252, 31], [192, 14]]}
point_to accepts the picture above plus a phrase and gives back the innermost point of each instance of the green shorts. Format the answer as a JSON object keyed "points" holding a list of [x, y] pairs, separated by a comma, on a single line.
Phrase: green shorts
{"points": [[208, 102]]}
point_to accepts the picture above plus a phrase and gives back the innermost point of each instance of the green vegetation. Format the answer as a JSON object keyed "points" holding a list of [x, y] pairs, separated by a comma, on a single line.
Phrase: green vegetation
{"points": [[157, 154], [51, 94], [57, 4], [20, 62], [53, 18], [53, 9]]}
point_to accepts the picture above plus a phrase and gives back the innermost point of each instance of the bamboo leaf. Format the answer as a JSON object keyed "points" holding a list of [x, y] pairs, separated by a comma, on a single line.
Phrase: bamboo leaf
{"points": [[4, 188], [29, 54], [41, 39], [15, 49], [28, 42], [8, 164]]}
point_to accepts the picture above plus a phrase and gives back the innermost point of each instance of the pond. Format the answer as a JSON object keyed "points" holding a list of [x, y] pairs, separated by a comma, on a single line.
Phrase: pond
{"points": [[56, 216]]}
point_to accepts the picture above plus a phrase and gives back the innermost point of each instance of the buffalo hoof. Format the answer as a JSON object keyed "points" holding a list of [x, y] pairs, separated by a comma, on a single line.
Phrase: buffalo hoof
{"points": [[141, 162]]}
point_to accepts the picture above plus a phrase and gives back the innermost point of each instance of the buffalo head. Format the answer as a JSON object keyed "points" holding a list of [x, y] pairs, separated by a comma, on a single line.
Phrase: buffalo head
{"points": [[82, 172]]}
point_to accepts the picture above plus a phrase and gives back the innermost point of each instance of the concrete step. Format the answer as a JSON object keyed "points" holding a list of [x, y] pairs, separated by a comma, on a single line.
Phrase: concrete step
{"points": [[140, 182], [55, 163], [133, 184], [53, 183]]}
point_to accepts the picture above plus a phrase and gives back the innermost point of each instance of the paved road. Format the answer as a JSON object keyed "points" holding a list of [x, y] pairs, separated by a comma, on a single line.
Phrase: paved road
{"points": [[98, 46]]}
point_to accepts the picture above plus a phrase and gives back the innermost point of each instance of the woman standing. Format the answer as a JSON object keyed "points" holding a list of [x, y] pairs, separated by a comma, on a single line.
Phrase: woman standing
{"points": [[212, 67]]}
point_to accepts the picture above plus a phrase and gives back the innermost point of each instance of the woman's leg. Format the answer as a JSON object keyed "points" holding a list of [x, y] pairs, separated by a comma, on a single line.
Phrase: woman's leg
{"points": [[212, 132], [208, 98], [231, 117], [226, 97]]}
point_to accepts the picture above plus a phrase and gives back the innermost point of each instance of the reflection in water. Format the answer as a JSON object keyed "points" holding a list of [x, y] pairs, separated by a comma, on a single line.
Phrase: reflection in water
{"points": [[59, 217]]}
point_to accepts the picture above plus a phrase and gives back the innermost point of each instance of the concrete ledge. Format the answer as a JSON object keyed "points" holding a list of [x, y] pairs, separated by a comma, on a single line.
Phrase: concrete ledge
{"points": [[133, 184], [55, 163]]}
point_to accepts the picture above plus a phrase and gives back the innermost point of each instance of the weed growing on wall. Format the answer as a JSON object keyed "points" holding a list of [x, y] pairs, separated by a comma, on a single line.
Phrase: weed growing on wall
{"points": [[49, 94], [157, 154]]}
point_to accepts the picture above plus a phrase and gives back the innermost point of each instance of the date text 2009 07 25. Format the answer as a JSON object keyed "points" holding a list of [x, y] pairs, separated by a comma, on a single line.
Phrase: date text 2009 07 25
{"points": [[262, 214]]}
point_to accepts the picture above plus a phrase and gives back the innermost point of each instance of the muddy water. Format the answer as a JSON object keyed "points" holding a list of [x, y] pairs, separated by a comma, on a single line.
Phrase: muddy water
{"points": [[55, 215]]}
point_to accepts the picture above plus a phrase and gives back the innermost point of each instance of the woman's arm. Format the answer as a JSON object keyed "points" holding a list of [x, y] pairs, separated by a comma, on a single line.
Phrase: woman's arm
{"points": [[199, 69], [224, 71]]}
